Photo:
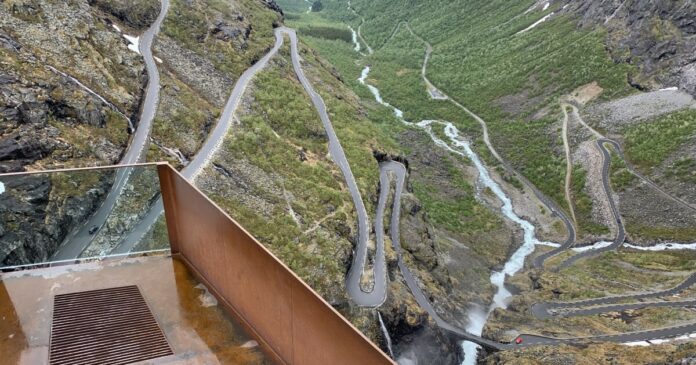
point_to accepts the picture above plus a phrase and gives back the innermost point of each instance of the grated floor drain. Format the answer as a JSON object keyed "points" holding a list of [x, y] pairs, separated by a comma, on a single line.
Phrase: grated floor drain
{"points": [[105, 327]]}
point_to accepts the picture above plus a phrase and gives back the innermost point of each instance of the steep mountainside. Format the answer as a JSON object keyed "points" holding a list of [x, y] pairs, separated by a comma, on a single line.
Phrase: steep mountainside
{"points": [[69, 91], [659, 37], [551, 85], [526, 130]]}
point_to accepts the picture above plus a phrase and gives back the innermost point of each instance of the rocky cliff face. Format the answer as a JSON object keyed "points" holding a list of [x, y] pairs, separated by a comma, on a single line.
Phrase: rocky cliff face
{"points": [[38, 211], [659, 37], [69, 89], [39, 109], [68, 86], [134, 13]]}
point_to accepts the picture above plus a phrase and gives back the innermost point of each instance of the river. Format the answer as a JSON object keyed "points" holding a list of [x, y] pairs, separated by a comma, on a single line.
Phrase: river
{"points": [[458, 145]]}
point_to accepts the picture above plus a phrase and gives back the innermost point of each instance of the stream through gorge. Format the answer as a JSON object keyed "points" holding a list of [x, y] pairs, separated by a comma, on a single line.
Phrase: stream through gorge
{"points": [[477, 315]]}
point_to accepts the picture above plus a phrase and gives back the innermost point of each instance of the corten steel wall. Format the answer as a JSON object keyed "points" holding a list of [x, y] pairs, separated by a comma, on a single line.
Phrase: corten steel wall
{"points": [[292, 323]]}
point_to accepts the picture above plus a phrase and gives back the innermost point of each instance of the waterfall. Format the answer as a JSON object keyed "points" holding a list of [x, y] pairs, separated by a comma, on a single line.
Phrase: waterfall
{"points": [[386, 335]]}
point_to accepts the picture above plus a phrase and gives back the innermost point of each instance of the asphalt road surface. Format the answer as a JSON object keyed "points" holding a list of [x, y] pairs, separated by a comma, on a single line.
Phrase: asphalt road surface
{"points": [[78, 240], [621, 233]]}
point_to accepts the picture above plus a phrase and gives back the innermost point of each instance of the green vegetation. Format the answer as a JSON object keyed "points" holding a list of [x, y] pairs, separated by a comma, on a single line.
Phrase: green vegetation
{"points": [[292, 7], [188, 22], [449, 199], [650, 232], [359, 134], [185, 116], [684, 170], [156, 239], [479, 37], [600, 275], [620, 272], [136, 13], [182, 120], [683, 260], [339, 53], [527, 144], [282, 142], [649, 144], [462, 214], [620, 177], [331, 33], [287, 115], [77, 183], [280, 126], [478, 60], [396, 71], [583, 205], [81, 136]]}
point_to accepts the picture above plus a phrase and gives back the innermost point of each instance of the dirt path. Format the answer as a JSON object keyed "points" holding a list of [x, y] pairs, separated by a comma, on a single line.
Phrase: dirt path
{"points": [[539, 308], [541, 197], [362, 21], [569, 164], [629, 166]]}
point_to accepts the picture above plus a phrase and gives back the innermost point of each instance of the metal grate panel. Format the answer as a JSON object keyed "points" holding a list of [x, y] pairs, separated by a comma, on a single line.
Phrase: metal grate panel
{"points": [[104, 327]]}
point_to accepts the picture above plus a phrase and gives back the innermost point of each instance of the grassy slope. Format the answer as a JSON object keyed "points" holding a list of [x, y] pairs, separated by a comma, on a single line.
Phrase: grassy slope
{"points": [[583, 205], [477, 59], [478, 63], [612, 273], [281, 107], [189, 22], [182, 122], [649, 144], [466, 215]]}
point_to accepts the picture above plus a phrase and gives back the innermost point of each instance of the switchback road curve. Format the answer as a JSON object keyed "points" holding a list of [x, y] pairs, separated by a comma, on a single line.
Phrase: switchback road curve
{"points": [[207, 151], [77, 241], [538, 262], [621, 232]]}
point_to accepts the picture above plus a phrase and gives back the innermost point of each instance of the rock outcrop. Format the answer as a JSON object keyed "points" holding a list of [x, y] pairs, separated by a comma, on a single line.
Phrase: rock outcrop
{"points": [[38, 211], [134, 13], [655, 36], [68, 87], [271, 4]]}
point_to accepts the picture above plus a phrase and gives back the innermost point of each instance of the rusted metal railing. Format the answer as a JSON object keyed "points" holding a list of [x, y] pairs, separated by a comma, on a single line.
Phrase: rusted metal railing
{"points": [[291, 322]]}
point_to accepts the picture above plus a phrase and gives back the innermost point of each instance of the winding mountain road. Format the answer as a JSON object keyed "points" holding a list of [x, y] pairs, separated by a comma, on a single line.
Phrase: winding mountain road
{"points": [[633, 171], [207, 151], [399, 170], [585, 311], [378, 294], [621, 231], [610, 303], [629, 166], [437, 94], [541, 310], [390, 168], [78, 240]]}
